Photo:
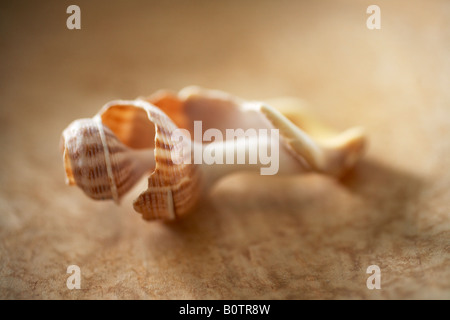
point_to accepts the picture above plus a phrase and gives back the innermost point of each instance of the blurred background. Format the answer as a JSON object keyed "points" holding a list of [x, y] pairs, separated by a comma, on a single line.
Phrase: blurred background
{"points": [[257, 237]]}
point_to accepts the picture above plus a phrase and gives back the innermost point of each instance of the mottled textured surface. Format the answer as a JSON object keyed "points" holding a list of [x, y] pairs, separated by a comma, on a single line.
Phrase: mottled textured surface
{"points": [[257, 237]]}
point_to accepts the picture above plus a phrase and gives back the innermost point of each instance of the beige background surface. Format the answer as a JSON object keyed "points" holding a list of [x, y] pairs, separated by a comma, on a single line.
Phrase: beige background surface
{"points": [[256, 237]]}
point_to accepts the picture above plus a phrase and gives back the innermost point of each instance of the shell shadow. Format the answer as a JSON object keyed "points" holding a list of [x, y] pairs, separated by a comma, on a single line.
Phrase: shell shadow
{"points": [[391, 195], [266, 237], [255, 209]]}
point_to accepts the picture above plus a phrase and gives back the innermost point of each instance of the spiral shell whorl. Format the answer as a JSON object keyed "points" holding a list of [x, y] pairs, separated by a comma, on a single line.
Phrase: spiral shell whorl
{"points": [[105, 156], [87, 164]]}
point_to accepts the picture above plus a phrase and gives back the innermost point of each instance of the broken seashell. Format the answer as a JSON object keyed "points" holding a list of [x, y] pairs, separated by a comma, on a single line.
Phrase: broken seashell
{"points": [[105, 156]]}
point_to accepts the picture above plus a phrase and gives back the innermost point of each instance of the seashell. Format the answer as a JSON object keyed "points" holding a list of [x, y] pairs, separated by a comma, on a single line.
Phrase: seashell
{"points": [[106, 155]]}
